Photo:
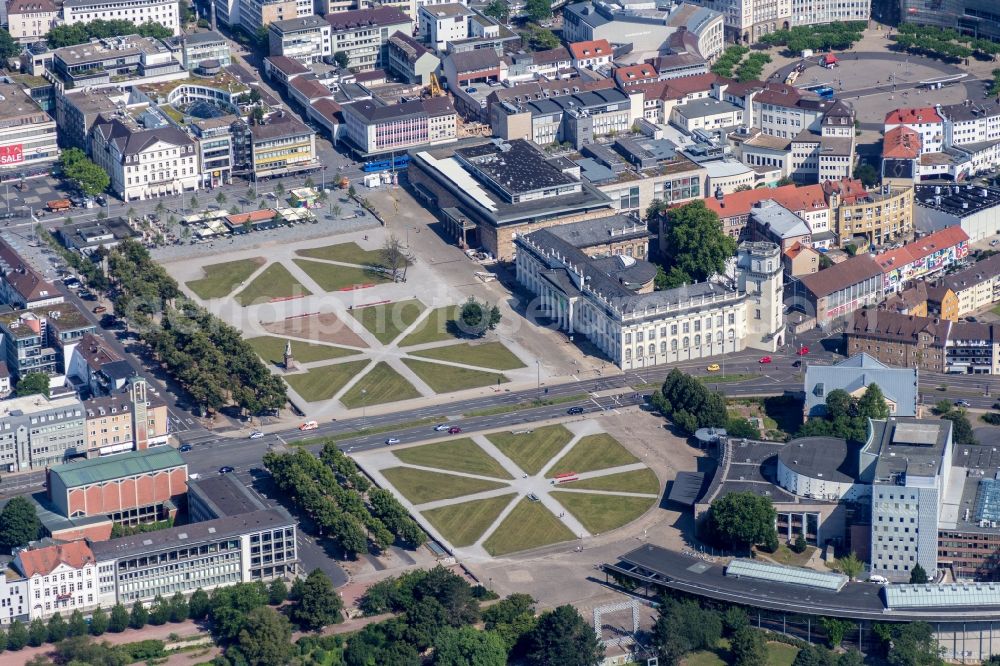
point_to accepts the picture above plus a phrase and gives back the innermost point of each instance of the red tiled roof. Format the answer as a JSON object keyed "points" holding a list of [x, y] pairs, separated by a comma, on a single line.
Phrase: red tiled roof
{"points": [[252, 216], [678, 88], [778, 94], [635, 72], [590, 49], [792, 197], [42, 561], [924, 114], [901, 143], [849, 189], [924, 247]]}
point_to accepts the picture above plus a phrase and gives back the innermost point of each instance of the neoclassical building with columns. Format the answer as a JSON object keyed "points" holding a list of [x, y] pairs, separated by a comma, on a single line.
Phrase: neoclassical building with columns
{"points": [[609, 298]]}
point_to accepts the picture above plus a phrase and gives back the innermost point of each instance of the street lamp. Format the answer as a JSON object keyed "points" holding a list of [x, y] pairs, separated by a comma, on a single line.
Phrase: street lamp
{"points": [[538, 380]]}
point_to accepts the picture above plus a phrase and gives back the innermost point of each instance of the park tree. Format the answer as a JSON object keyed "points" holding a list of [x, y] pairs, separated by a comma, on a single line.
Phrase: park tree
{"points": [[814, 655], [139, 616], [32, 383], [178, 608], [835, 629], [77, 168], [467, 645], [918, 575], [17, 635], [77, 624], [198, 605], [563, 638], [541, 39], [962, 434], [320, 605], [497, 9], [748, 648], [57, 628], [538, 10], [476, 317], [684, 626], [9, 48], [119, 619], [912, 644], [851, 658], [394, 258], [342, 59], [38, 633], [689, 404], [742, 519], [867, 174], [159, 612], [98, 622], [277, 592], [266, 638], [850, 565], [19, 524], [511, 619], [696, 247]]}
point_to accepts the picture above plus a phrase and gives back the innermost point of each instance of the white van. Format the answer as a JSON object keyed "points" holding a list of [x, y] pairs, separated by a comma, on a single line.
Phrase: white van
{"points": [[878, 580]]}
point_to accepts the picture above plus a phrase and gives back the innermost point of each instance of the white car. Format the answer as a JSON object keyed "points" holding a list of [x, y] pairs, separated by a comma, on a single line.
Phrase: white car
{"points": [[441, 428], [256, 434], [392, 440]]}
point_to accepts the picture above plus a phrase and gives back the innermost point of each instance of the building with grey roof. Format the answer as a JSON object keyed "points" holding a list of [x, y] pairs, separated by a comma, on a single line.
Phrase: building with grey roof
{"points": [[242, 548], [578, 117], [855, 375], [609, 299], [770, 221], [162, 12], [305, 39], [114, 61], [362, 34], [372, 128], [410, 60]]}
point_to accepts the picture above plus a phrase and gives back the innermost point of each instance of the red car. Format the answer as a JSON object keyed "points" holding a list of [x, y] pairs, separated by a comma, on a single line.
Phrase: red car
{"points": [[764, 359], [454, 430], [803, 350]]}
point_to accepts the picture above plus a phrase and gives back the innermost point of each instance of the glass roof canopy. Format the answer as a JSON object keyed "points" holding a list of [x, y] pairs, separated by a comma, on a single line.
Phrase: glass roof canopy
{"points": [[776, 573]]}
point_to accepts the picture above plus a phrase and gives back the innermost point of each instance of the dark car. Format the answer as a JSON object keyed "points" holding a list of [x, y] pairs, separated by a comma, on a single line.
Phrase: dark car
{"points": [[184, 448], [797, 364], [226, 469], [575, 410]]}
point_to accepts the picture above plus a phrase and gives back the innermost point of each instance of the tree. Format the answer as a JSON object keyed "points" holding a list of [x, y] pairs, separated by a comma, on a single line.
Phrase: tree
{"points": [[57, 628], [475, 317], [467, 645], [159, 612], [962, 434], [872, 404], [277, 592], [683, 627], [198, 605], [394, 258], [19, 523], [541, 39], [77, 624], [748, 648], [38, 633], [342, 59], [741, 427], [851, 658], [83, 173], [320, 604], [497, 9], [139, 616], [266, 638], [17, 635], [178, 608], [913, 644], [99, 622], [918, 576], [279, 189], [9, 48], [563, 638], [839, 403], [33, 383], [814, 655], [835, 629], [194, 202], [696, 248], [538, 10], [867, 174], [118, 621], [742, 519], [850, 566], [800, 545]]}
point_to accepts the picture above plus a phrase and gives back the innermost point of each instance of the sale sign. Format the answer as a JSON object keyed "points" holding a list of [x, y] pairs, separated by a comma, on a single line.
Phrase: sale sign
{"points": [[11, 154]]}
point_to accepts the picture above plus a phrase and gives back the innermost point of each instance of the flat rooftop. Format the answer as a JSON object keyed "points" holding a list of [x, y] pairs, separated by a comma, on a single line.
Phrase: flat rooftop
{"points": [[828, 458], [912, 447], [225, 495], [957, 200]]}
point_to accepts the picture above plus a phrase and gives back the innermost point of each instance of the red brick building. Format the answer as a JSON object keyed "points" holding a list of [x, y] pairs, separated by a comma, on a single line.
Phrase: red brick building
{"points": [[129, 488]]}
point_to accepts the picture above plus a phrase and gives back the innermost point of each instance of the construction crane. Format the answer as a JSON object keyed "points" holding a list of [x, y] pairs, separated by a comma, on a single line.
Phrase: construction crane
{"points": [[434, 88]]}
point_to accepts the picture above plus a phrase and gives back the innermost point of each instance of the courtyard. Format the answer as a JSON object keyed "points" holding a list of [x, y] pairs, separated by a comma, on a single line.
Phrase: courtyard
{"points": [[505, 492]]}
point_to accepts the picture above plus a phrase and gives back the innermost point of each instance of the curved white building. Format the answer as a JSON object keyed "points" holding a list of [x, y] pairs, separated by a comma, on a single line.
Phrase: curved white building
{"points": [[820, 468]]}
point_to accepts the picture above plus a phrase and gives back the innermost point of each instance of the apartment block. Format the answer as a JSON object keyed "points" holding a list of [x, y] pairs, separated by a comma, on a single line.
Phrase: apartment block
{"points": [[305, 39], [362, 34], [164, 12], [374, 129]]}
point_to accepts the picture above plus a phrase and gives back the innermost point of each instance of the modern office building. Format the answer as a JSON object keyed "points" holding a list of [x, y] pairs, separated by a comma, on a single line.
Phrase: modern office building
{"points": [[42, 339], [489, 192], [114, 61], [378, 129], [208, 49], [362, 34], [27, 134], [36, 432], [255, 15], [164, 12], [978, 18], [214, 553], [305, 39]]}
